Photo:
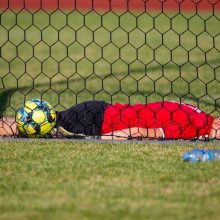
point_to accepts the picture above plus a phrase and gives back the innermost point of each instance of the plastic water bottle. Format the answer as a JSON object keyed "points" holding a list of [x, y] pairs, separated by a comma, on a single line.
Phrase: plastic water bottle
{"points": [[199, 154]]}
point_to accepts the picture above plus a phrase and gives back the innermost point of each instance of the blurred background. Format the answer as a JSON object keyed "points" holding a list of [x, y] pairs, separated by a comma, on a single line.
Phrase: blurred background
{"points": [[129, 51]]}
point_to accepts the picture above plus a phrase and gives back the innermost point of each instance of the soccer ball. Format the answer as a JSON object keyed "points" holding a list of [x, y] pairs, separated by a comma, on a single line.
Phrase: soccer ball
{"points": [[36, 118]]}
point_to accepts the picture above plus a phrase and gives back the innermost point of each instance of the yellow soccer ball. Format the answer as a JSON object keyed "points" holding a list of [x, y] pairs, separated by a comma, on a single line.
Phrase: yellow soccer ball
{"points": [[36, 118]]}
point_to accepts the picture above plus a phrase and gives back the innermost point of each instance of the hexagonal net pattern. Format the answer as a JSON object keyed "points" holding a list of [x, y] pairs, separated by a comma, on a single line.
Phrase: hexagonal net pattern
{"points": [[127, 51]]}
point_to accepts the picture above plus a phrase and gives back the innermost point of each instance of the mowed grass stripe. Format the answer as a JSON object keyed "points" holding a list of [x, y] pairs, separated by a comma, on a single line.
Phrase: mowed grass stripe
{"points": [[105, 180]]}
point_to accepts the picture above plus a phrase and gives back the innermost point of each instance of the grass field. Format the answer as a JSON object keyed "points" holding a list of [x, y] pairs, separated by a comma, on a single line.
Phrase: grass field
{"points": [[76, 180], [107, 58]]}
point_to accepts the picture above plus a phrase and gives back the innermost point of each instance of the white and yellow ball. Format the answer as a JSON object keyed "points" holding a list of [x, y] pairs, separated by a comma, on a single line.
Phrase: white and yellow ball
{"points": [[36, 118]]}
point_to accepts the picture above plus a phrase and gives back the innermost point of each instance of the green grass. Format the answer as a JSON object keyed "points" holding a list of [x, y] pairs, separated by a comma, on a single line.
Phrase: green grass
{"points": [[70, 57], [74, 180]]}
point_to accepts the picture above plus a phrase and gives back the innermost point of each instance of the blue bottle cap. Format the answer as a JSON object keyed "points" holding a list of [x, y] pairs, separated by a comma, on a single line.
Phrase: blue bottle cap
{"points": [[186, 156]]}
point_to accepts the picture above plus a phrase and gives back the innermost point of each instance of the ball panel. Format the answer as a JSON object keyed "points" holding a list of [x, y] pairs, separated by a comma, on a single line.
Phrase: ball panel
{"points": [[30, 106], [39, 116], [30, 128], [45, 128], [19, 118], [21, 129]]}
